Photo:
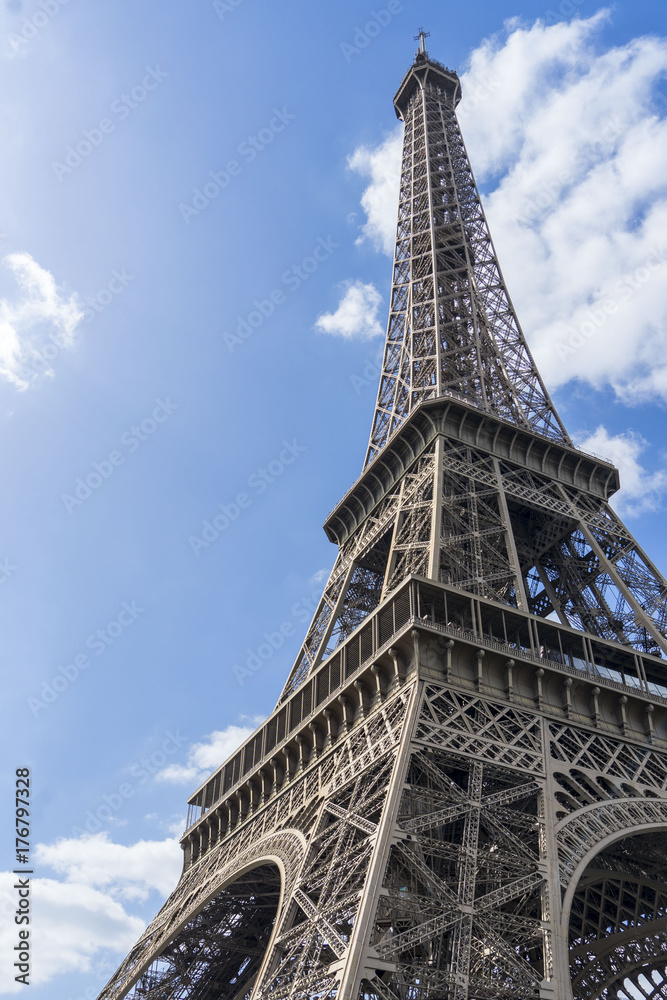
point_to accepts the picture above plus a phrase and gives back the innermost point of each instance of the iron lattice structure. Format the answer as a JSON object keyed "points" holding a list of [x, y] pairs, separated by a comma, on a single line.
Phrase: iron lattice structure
{"points": [[462, 792]]}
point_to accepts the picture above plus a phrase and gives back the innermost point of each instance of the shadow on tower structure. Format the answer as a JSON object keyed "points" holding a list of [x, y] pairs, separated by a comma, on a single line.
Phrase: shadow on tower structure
{"points": [[462, 792]]}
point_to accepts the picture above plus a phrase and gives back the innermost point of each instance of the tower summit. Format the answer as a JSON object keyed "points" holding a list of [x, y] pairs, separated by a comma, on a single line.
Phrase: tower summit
{"points": [[462, 792], [421, 38]]}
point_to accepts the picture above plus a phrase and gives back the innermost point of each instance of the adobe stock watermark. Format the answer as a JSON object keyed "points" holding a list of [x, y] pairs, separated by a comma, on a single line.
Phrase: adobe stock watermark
{"points": [[302, 612], [139, 772], [7, 570], [103, 297], [249, 149], [121, 108], [131, 440], [98, 642], [95, 304], [257, 483], [565, 9], [92, 992], [364, 34], [292, 279], [224, 7], [370, 373], [625, 288], [31, 26], [473, 98], [589, 155]]}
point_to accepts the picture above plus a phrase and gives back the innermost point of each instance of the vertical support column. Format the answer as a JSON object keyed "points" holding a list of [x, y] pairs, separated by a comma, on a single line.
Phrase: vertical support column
{"points": [[399, 669], [377, 694], [352, 973], [391, 561], [461, 946], [434, 249], [436, 517], [344, 704], [521, 596], [556, 957], [329, 716]]}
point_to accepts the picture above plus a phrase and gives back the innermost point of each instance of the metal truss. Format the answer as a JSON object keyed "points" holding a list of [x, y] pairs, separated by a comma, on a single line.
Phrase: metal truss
{"points": [[452, 327], [441, 841], [618, 928], [508, 530], [504, 532], [462, 792]]}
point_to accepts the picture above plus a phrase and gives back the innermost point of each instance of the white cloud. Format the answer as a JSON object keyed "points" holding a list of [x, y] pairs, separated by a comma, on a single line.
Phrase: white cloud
{"points": [[571, 142], [81, 916], [379, 201], [127, 872], [357, 314], [35, 326], [580, 146], [641, 491], [73, 925], [205, 757]]}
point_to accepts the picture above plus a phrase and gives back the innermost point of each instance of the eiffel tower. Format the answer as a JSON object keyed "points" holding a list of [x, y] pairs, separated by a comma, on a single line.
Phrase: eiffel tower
{"points": [[462, 791]]}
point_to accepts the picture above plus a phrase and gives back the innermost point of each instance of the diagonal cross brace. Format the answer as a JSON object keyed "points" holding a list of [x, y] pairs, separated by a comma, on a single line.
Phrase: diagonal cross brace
{"points": [[362, 824], [336, 943]]}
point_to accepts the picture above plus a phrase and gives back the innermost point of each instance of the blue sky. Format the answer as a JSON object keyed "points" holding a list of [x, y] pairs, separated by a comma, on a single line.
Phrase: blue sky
{"points": [[177, 340]]}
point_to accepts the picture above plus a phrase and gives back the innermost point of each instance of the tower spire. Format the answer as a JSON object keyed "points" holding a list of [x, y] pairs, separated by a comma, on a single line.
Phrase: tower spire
{"points": [[421, 38], [452, 328]]}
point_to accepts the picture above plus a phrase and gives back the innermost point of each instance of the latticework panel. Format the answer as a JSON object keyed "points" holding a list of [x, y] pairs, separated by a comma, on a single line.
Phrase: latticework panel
{"points": [[201, 963], [576, 557], [411, 543], [473, 548], [318, 829], [606, 791], [329, 891], [352, 591], [464, 903], [618, 924], [452, 328]]}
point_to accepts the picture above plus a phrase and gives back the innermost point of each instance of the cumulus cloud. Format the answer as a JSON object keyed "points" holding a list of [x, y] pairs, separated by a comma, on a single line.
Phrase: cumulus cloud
{"points": [[356, 317], [81, 917], [570, 143], [74, 925], [205, 757], [35, 325], [382, 165], [641, 491], [127, 872], [575, 141]]}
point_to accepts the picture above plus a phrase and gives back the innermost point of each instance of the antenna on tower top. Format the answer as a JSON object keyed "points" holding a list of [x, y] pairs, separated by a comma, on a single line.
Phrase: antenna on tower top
{"points": [[421, 38]]}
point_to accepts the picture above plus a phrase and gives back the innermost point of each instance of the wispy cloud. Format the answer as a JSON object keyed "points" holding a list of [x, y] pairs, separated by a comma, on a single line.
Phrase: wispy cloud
{"points": [[356, 317], [35, 325], [207, 756], [641, 491]]}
